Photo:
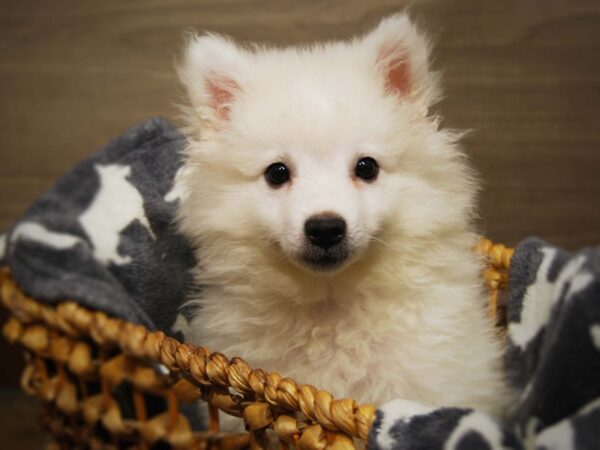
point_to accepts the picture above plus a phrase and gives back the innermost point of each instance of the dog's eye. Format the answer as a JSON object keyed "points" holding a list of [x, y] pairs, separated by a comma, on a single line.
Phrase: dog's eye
{"points": [[367, 169], [277, 174]]}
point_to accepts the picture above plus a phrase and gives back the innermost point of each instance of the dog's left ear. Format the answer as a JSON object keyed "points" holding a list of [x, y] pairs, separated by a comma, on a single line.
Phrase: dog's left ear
{"points": [[401, 57]]}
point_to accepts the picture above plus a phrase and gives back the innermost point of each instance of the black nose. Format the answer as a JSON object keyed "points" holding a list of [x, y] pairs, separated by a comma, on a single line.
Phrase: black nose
{"points": [[325, 231]]}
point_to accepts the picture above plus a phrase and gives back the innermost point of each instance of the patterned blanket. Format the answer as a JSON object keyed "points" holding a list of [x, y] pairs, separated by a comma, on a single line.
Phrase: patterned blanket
{"points": [[105, 236]]}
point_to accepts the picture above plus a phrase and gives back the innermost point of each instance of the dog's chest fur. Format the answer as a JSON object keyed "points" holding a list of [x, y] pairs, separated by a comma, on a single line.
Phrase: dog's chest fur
{"points": [[373, 341]]}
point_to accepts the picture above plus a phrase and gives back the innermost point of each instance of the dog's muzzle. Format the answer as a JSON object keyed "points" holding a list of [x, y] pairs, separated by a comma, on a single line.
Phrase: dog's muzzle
{"points": [[326, 241]]}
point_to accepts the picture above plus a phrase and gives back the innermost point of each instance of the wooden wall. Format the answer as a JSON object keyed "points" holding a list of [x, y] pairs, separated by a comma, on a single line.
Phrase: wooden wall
{"points": [[524, 75]]}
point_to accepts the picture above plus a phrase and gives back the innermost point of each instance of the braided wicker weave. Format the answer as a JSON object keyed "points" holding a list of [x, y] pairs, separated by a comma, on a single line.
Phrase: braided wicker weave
{"points": [[87, 367]]}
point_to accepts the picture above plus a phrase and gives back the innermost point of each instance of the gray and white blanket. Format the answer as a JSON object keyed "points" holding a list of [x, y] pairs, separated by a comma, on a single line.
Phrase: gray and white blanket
{"points": [[105, 236]]}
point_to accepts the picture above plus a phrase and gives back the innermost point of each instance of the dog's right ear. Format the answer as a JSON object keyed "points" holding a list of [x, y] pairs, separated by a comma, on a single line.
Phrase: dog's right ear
{"points": [[212, 73]]}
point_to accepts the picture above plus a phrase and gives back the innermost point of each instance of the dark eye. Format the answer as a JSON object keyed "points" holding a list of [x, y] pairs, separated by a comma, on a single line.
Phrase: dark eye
{"points": [[277, 174], [367, 169]]}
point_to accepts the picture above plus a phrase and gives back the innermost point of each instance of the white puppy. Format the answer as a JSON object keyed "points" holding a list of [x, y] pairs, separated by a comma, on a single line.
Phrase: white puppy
{"points": [[332, 219]]}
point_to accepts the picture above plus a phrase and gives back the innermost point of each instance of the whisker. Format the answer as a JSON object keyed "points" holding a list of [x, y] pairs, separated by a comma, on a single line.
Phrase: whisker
{"points": [[377, 239]]}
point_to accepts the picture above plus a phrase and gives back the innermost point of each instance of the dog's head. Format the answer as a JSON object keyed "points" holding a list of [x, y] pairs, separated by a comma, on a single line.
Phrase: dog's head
{"points": [[320, 152]]}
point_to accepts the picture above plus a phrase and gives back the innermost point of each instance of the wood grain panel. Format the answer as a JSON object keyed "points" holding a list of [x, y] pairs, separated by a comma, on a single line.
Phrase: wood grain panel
{"points": [[523, 75]]}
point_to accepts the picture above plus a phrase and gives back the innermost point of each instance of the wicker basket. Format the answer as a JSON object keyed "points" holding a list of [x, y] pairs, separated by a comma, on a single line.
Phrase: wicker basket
{"points": [[108, 384]]}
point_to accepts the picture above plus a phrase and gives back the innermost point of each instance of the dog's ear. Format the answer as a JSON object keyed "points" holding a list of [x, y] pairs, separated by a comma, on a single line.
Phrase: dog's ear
{"points": [[212, 73], [401, 58]]}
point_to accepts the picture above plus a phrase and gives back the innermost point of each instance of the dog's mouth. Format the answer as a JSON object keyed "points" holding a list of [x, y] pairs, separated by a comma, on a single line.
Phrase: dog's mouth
{"points": [[325, 260]]}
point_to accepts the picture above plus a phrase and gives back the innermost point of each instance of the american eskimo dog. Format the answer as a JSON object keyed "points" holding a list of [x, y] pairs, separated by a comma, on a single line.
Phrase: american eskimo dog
{"points": [[332, 219]]}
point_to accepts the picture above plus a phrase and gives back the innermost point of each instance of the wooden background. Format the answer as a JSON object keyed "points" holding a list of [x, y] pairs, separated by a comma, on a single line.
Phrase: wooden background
{"points": [[524, 75]]}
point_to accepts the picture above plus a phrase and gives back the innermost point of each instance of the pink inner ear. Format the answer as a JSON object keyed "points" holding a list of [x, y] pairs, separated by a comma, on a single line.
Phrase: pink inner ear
{"points": [[221, 93], [398, 78], [396, 69]]}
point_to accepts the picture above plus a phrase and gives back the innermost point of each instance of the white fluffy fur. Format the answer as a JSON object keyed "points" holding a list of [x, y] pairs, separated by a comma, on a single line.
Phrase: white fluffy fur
{"points": [[405, 318]]}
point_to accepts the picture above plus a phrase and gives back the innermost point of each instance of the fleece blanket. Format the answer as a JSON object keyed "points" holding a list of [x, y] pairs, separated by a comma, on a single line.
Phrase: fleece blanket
{"points": [[105, 236]]}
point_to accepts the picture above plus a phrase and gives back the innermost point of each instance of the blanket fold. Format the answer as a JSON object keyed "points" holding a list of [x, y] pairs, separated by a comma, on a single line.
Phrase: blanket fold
{"points": [[105, 235]]}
